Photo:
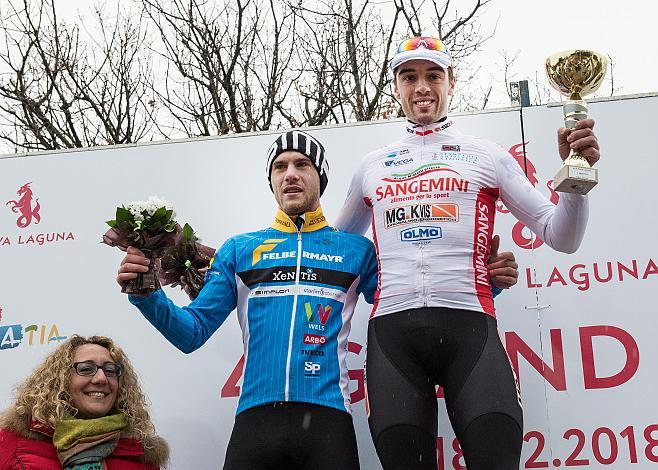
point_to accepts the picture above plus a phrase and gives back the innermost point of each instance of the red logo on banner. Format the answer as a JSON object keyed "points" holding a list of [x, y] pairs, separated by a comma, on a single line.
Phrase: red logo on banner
{"points": [[520, 234], [526, 242], [555, 197], [25, 208], [517, 152]]}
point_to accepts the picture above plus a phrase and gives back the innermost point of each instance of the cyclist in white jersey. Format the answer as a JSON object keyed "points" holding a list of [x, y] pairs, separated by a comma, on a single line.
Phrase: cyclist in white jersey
{"points": [[430, 198]]}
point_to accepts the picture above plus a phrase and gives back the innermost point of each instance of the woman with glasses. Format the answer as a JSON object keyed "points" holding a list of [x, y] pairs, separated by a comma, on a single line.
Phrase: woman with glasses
{"points": [[81, 409]]}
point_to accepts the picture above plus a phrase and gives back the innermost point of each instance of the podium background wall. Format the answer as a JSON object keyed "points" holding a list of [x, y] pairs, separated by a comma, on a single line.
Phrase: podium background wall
{"points": [[580, 329]]}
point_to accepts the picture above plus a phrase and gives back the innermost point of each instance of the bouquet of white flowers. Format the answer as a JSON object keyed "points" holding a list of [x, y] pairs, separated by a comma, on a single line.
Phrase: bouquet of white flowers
{"points": [[150, 226]]}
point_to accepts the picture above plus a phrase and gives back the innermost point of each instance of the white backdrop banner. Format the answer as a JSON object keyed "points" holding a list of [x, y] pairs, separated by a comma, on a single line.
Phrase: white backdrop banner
{"points": [[579, 329]]}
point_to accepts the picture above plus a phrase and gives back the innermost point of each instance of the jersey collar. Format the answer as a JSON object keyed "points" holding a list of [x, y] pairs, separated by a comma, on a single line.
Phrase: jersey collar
{"points": [[313, 220], [423, 130]]}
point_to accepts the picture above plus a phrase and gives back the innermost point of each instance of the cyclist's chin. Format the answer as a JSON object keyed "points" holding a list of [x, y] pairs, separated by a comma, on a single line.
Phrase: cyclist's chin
{"points": [[294, 208], [425, 118]]}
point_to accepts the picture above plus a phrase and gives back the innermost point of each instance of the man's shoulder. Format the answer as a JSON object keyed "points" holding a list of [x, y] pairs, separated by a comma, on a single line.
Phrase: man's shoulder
{"points": [[398, 146], [481, 143], [347, 235], [241, 240], [359, 241], [256, 234]]}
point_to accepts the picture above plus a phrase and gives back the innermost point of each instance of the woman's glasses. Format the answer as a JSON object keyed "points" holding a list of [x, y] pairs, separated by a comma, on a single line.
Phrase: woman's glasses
{"points": [[89, 369]]}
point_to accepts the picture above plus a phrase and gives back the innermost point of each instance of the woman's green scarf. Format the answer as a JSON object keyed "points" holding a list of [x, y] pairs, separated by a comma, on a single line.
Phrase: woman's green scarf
{"points": [[82, 444]]}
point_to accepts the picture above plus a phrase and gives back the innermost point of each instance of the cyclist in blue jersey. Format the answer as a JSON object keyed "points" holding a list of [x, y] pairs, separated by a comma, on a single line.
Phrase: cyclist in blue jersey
{"points": [[295, 285]]}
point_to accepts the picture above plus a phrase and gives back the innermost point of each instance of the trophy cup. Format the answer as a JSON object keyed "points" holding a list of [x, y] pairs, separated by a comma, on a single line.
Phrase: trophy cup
{"points": [[575, 74]]}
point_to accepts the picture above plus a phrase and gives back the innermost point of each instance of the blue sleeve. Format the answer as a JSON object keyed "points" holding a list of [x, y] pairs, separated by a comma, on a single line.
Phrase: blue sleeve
{"points": [[495, 291], [369, 273], [188, 328]]}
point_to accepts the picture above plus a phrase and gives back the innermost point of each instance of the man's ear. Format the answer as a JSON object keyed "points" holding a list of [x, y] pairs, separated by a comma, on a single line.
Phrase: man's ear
{"points": [[453, 80], [396, 92]]}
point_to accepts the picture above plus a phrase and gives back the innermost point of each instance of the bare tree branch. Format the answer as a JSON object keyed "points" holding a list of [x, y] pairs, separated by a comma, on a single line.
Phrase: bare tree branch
{"points": [[59, 93], [215, 67]]}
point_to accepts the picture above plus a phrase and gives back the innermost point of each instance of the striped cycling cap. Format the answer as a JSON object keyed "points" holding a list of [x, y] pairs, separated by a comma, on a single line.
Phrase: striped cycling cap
{"points": [[304, 144]]}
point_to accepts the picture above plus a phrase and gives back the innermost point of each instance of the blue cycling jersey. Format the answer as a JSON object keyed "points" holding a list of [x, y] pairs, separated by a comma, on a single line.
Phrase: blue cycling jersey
{"points": [[295, 292]]}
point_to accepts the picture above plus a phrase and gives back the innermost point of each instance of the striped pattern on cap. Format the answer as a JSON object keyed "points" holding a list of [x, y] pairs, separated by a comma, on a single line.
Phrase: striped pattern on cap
{"points": [[304, 144]]}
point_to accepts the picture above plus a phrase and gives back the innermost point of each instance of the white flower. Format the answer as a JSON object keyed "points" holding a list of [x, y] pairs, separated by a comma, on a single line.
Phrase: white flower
{"points": [[141, 209]]}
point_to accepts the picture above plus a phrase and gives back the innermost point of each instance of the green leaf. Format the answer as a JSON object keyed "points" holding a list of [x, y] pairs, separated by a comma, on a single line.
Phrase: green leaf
{"points": [[112, 223], [188, 232], [123, 215], [161, 212]]}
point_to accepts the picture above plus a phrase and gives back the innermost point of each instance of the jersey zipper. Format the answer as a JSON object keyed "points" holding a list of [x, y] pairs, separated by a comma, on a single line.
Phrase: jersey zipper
{"points": [[294, 311], [420, 247]]}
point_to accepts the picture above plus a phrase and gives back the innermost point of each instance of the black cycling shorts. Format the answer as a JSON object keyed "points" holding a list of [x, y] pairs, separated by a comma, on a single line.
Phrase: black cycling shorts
{"points": [[412, 351], [292, 436]]}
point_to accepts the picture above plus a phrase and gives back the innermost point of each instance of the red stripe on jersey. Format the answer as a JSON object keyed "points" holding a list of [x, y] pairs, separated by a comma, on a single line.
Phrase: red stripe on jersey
{"points": [[485, 211], [379, 265]]}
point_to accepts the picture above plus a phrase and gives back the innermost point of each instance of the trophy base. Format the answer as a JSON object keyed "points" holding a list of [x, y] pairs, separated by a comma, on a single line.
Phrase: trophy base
{"points": [[575, 179]]}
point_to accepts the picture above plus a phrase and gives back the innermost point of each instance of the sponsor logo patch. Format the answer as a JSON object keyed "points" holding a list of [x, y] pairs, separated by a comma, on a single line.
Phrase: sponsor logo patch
{"points": [[286, 274], [420, 171], [450, 148], [317, 220], [397, 152], [321, 311], [322, 292], [442, 212], [411, 185], [289, 275], [263, 252], [310, 338], [417, 234], [417, 131], [272, 291], [455, 157], [317, 319], [311, 369], [266, 246], [394, 163], [312, 352]]}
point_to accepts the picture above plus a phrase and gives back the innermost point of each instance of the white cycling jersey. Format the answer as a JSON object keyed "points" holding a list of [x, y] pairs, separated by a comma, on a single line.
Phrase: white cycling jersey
{"points": [[430, 198]]}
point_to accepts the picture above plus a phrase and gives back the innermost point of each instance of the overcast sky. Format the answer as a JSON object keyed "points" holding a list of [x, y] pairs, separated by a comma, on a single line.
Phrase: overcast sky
{"points": [[626, 30]]}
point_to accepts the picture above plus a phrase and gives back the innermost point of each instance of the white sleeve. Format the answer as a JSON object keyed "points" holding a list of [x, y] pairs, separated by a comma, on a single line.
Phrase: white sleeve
{"points": [[561, 226], [355, 216]]}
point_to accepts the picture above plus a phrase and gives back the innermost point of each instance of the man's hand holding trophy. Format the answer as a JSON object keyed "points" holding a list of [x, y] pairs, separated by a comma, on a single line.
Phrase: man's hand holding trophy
{"points": [[575, 74]]}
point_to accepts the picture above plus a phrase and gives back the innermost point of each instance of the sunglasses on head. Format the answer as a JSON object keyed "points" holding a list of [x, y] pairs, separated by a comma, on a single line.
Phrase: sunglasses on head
{"points": [[429, 43]]}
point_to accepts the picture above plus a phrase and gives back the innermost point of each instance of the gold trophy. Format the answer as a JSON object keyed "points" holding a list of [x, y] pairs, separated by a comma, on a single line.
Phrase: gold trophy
{"points": [[575, 74]]}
